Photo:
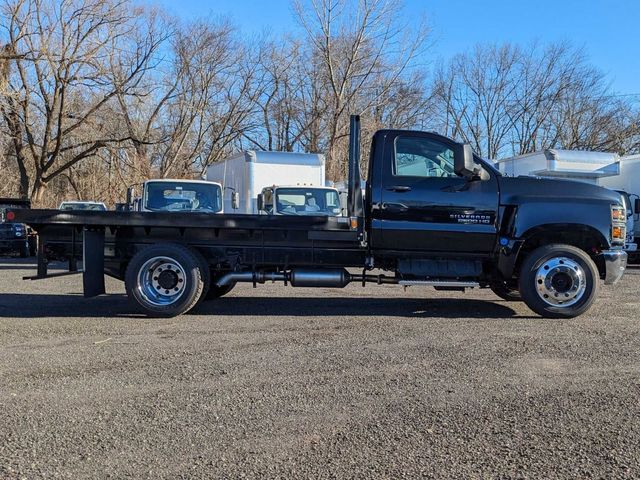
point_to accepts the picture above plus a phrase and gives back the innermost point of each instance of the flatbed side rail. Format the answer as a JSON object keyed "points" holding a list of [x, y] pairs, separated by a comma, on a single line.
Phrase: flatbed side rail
{"points": [[179, 220]]}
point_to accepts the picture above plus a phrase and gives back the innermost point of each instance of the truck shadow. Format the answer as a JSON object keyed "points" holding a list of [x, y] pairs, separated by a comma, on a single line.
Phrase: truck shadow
{"points": [[356, 307], [17, 305]]}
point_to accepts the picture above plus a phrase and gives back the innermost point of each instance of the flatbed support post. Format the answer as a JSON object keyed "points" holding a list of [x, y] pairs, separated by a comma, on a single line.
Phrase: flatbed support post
{"points": [[42, 259], [73, 264], [93, 261]]}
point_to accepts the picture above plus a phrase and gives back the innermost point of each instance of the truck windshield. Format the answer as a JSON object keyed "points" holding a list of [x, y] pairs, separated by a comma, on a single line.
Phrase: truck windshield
{"points": [[307, 201], [82, 206], [12, 206], [183, 196]]}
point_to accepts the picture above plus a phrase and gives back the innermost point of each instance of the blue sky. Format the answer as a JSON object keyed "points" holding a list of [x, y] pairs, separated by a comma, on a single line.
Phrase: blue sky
{"points": [[608, 30]]}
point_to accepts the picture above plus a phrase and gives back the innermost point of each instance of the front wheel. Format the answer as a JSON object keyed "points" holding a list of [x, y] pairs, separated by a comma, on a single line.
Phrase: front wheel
{"points": [[559, 281], [165, 280]]}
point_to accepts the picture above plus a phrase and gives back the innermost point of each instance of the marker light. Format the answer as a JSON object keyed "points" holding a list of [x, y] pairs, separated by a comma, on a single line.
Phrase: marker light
{"points": [[617, 233]]}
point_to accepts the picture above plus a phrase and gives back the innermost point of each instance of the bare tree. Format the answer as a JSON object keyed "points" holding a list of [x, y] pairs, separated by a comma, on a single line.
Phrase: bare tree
{"points": [[98, 94], [60, 81], [362, 51], [476, 94], [508, 100], [197, 103]]}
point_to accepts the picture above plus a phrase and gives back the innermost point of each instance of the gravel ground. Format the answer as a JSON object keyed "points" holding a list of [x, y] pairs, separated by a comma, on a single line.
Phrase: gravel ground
{"points": [[294, 383]]}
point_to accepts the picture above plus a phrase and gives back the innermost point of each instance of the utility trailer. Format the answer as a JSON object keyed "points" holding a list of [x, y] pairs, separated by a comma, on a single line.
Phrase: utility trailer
{"points": [[434, 214]]}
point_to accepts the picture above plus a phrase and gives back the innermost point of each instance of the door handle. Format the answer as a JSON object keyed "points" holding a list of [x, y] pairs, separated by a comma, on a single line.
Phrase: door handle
{"points": [[395, 207], [399, 188]]}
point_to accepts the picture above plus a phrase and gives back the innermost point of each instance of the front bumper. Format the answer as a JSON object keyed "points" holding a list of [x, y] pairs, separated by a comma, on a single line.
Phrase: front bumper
{"points": [[615, 262], [12, 244]]}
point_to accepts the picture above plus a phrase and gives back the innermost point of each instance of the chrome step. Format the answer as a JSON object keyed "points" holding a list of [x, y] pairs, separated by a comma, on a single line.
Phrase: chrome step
{"points": [[440, 283]]}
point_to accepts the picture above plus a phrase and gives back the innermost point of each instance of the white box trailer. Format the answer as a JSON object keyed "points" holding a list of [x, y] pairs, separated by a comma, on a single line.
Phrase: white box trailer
{"points": [[629, 177], [248, 172], [577, 165], [600, 168], [628, 181]]}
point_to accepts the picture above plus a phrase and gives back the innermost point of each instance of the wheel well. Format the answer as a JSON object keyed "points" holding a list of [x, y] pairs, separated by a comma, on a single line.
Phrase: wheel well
{"points": [[584, 237]]}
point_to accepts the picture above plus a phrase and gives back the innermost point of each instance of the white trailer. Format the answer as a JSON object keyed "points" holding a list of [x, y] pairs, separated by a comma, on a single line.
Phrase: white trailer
{"points": [[577, 165], [249, 172], [600, 168], [628, 181]]}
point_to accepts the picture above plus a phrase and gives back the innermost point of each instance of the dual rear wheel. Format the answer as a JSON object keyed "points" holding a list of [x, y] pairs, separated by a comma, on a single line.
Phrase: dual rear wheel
{"points": [[169, 279]]}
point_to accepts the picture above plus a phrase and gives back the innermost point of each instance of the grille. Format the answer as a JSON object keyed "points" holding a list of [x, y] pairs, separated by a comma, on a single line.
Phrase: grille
{"points": [[6, 232]]}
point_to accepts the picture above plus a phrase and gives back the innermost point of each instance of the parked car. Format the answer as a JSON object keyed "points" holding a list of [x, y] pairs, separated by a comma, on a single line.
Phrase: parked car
{"points": [[16, 237]]}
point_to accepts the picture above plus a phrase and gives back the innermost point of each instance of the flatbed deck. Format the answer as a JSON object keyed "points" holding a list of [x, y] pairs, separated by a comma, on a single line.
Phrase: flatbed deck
{"points": [[253, 240]]}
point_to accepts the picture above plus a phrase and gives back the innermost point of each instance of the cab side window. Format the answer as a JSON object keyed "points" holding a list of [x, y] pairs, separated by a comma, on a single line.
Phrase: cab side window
{"points": [[422, 157]]}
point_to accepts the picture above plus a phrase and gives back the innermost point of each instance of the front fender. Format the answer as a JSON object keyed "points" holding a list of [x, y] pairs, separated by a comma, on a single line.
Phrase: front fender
{"points": [[585, 225], [592, 215]]}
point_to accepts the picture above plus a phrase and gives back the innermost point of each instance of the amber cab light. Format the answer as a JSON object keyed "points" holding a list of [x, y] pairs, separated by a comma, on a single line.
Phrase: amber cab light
{"points": [[617, 233]]}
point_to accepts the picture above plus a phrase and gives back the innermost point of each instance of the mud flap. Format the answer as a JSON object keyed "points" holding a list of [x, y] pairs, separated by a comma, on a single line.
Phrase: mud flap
{"points": [[93, 262]]}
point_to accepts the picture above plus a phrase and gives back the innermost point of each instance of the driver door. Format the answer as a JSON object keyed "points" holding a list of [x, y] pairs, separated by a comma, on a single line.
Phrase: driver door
{"points": [[424, 206]]}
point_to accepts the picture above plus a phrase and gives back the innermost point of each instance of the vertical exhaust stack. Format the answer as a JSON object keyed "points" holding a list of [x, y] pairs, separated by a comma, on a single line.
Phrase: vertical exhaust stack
{"points": [[130, 196], [355, 209]]}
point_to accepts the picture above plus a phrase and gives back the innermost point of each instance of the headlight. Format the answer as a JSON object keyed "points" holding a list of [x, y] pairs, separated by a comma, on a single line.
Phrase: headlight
{"points": [[618, 224], [618, 213]]}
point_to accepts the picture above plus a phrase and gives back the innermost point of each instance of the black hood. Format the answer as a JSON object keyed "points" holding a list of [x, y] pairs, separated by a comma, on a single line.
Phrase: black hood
{"points": [[514, 190]]}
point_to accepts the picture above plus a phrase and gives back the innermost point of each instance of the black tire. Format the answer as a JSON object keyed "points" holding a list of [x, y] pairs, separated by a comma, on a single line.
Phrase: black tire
{"points": [[170, 268], [217, 292], [205, 271], [504, 291], [24, 250], [550, 273]]}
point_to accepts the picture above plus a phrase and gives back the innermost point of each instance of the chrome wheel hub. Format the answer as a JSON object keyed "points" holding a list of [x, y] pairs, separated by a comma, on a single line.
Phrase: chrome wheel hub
{"points": [[560, 282], [161, 281]]}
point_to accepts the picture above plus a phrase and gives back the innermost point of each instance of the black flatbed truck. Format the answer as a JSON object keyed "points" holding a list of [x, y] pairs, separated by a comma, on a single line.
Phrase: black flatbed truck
{"points": [[434, 214]]}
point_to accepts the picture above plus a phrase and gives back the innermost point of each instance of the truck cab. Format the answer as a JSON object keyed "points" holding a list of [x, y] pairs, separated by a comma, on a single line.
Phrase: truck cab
{"points": [[299, 200], [172, 195], [437, 211]]}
